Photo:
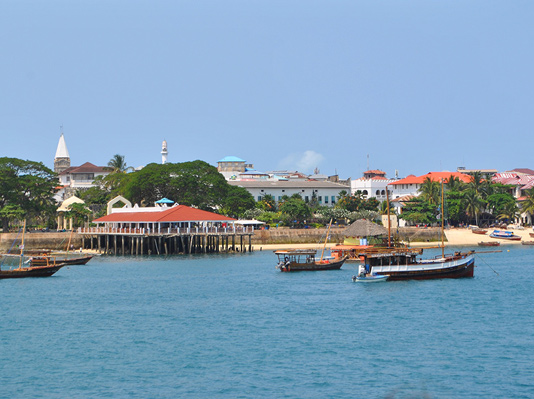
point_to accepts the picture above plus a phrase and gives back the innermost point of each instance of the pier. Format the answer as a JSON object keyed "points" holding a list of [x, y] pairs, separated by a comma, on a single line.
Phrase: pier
{"points": [[167, 241]]}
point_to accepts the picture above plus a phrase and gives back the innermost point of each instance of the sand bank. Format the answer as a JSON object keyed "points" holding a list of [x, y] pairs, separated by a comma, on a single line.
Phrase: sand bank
{"points": [[455, 237]]}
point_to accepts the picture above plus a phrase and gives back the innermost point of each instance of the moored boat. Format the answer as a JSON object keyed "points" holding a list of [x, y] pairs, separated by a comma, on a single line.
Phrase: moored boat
{"points": [[364, 277], [52, 260], [296, 260], [531, 234], [489, 243], [402, 264], [527, 242], [505, 235], [479, 231]]}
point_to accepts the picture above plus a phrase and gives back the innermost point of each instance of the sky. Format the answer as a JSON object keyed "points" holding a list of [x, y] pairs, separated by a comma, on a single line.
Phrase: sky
{"points": [[339, 85]]}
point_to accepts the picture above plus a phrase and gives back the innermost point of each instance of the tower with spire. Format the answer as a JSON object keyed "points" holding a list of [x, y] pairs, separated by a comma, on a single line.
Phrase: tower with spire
{"points": [[164, 152], [62, 159]]}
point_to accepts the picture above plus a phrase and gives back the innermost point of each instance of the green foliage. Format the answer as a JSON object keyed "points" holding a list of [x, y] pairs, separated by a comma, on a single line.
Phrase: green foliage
{"points": [[27, 188], [527, 206], [195, 183], [356, 202], [118, 165], [498, 202], [294, 210], [419, 211], [79, 214], [430, 191], [267, 203], [237, 201]]}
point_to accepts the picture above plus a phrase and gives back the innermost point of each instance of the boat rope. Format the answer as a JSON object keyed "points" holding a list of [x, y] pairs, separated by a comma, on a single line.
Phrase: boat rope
{"points": [[487, 264]]}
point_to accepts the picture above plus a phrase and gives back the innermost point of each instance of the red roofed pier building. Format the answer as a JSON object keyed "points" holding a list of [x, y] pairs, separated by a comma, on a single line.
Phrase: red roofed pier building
{"points": [[164, 229]]}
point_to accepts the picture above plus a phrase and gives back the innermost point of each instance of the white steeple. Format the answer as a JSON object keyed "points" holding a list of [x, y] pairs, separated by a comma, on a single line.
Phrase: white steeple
{"points": [[164, 152], [62, 151]]}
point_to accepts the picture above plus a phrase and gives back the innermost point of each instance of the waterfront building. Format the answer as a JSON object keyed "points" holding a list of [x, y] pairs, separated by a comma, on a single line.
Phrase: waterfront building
{"points": [[411, 184], [520, 180], [372, 184], [164, 229], [486, 173], [231, 167], [325, 192]]}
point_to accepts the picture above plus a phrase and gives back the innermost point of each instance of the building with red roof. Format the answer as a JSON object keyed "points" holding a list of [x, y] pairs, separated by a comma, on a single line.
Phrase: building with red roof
{"points": [[411, 184], [163, 219]]}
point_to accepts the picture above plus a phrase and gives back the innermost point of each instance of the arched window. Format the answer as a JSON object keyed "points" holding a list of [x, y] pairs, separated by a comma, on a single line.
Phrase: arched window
{"points": [[364, 192], [377, 192], [383, 192]]}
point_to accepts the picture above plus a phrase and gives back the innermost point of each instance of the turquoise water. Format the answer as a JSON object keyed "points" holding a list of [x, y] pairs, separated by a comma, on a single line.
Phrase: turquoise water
{"points": [[231, 326]]}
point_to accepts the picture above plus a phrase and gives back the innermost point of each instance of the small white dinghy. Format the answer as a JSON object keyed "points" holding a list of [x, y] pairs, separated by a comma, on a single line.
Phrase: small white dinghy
{"points": [[364, 277]]}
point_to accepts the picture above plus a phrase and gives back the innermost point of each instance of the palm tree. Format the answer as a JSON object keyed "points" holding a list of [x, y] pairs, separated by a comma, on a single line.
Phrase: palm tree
{"points": [[474, 204], [510, 211], [527, 206], [454, 184], [118, 165], [430, 191], [478, 184]]}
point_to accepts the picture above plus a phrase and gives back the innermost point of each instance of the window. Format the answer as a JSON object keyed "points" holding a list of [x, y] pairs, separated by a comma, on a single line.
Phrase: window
{"points": [[320, 199], [279, 198], [364, 192], [306, 199], [383, 192], [259, 198], [326, 199], [333, 199], [377, 192]]}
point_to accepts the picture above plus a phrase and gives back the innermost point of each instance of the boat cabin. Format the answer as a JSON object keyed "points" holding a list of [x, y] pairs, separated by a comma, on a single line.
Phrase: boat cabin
{"points": [[296, 256], [390, 256]]}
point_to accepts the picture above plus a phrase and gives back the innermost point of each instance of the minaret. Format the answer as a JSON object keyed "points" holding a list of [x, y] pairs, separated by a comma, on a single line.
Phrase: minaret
{"points": [[164, 152], [62, 159]]}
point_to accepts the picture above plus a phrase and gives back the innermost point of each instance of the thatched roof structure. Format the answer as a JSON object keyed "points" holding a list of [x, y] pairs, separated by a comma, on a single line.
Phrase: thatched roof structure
{"points": [[364, 228]]}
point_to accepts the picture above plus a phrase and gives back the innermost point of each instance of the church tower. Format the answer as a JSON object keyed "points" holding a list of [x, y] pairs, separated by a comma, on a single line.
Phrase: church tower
{"points": [[62, 159], [164, 152]]}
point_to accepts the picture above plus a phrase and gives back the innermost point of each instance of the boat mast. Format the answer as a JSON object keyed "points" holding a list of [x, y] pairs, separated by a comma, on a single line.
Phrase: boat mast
{"points": [[22, 245], [442, 220], [389, 220], [326, 239]]}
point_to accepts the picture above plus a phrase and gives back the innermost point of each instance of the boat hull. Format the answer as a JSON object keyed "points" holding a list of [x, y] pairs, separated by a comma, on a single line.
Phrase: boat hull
{"points": [[37, 271], [509, 238], [46, 261], [425, 271], [489, 244], [370, 279], [313, 266]]}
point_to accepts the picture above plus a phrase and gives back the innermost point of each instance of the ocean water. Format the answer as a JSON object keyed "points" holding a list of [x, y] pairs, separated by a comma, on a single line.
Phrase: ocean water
{"points": [[232, 326]]}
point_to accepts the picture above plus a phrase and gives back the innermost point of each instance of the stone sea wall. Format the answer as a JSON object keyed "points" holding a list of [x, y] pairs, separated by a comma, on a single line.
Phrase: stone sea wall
{"points": [[54, 241]]}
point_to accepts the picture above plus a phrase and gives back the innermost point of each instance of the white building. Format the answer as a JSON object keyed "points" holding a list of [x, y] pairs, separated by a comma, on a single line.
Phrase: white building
{"points": [[373, 184], [73, 178], [327, 193]]}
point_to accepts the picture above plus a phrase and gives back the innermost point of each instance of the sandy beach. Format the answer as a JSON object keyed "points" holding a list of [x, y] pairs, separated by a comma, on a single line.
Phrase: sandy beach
{"points": [[455, 237]]}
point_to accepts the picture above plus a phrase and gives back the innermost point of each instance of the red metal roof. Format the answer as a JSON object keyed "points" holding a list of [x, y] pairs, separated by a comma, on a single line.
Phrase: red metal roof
{"points": [[434, 176], [87, 167], [179, 213]]}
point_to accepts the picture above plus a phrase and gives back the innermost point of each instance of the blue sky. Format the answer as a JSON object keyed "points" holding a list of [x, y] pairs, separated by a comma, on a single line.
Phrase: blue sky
{"points": [[413, 86]]}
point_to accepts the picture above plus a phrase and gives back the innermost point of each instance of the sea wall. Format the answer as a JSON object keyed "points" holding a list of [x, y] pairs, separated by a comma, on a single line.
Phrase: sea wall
{"points": [[296, 236], [54, 241]]}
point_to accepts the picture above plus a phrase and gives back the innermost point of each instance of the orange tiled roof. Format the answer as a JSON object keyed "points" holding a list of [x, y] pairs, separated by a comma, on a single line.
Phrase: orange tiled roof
{"points": [[434, 176], [87, 167], [179, 213]]}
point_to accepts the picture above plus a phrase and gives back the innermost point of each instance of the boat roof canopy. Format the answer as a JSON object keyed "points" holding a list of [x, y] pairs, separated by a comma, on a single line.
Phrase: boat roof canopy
{"points": [[289, 252]]}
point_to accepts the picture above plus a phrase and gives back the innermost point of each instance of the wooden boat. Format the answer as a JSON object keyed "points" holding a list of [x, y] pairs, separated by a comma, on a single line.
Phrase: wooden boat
{"points": [[32, 271], [489, 243], [531, 234], [505, 235], [479, 231], [402, 264], [52, 260], [296, 260], [527, 242]]}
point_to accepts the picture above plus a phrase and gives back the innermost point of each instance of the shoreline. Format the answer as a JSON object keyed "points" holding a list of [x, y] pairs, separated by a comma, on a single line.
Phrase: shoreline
{"points": [[456, 237]]}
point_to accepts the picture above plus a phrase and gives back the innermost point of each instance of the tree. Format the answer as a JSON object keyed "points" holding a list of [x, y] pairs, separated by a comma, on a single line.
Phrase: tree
{"points": [[79, 214], [295, 210], [419, 211], [267, 203], [510, 212], [430, 191], [527, 206], [474, 204], [237, 201], [195, 183], [118, 165], [27, 189]]}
